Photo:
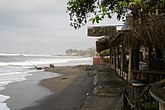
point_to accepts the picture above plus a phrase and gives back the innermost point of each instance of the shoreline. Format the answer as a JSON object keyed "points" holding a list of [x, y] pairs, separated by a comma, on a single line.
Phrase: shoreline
{"points": [[26, 93], [69, 90], [68, 73]]}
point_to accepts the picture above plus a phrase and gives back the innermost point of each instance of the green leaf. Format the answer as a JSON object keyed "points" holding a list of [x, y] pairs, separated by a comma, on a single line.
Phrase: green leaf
{"points": [[92, 20], [97, 18]]}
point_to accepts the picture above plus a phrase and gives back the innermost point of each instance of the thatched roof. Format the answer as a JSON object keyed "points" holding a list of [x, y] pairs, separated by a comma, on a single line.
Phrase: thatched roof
{"points": [[102, 44], [118, 39], [150, 32], [106, 42]]}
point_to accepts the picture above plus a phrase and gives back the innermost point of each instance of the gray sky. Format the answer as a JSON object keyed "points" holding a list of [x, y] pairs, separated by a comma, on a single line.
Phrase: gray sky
{"points": [[40, 27]]}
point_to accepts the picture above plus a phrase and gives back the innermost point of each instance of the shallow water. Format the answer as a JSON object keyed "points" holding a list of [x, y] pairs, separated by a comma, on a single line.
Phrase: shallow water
{"points": [[15, 68], [27, 93]]}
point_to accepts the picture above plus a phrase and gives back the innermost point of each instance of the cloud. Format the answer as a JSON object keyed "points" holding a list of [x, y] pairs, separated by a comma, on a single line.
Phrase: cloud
{"points": [[26, 6], [38, 26], [29, 12]]}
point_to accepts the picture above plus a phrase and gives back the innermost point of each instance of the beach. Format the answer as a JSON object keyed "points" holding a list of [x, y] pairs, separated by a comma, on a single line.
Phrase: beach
{"points": [[68, 91], [71, 87], [23, 86]]}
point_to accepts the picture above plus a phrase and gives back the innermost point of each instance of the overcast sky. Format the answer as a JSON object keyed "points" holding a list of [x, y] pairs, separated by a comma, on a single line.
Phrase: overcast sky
{"points": [[40, 27]]}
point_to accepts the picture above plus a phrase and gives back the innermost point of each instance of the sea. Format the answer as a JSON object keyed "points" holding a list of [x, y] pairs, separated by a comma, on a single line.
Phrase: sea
{"points": [[17, 67]]}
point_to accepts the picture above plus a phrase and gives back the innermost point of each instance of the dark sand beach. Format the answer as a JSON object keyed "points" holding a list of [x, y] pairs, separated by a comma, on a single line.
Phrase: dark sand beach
{"points": [[67, 92], [27, 93]]}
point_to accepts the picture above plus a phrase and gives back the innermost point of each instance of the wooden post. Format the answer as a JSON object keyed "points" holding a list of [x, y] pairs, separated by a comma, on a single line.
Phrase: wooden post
{"points": [[122, 60], [118, 59], [133, 60], [110, 56], [114, 57], [130, 66]]}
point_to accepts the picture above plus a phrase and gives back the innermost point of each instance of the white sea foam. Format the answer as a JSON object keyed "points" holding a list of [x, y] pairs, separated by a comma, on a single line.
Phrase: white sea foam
{"points": [[5, 79], [28, 55], [15, 68], [5, 54], [3, 106], [34, 62], [3, 98], [4, 83], [3, 64]]}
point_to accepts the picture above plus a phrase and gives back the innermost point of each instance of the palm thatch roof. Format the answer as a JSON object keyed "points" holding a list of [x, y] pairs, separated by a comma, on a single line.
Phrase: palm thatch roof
{"points": [[117, 39], [106, 42], [102, 44], [150, 32]]}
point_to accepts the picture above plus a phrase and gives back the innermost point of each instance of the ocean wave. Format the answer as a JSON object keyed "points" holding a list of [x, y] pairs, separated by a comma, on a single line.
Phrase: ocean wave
{"points": [[5, 54], [26, 55]]}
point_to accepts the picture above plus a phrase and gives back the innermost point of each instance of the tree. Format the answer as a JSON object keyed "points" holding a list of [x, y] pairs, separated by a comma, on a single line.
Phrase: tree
{"points": [[81, 10]]}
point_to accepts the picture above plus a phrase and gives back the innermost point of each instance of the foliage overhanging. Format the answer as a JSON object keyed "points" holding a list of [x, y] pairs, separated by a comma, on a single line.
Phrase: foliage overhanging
{"points": [[81, 10]]}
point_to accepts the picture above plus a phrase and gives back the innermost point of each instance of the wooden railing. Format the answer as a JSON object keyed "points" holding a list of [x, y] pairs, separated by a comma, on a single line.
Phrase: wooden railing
{"points": [[121, 73], [149, 76]]}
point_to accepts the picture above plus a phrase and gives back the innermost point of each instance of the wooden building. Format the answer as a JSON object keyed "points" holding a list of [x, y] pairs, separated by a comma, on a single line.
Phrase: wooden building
{"points": [[136, 52]]}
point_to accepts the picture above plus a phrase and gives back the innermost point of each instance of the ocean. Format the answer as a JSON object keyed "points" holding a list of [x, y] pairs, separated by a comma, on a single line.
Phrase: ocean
{"points": [[16, 67]]}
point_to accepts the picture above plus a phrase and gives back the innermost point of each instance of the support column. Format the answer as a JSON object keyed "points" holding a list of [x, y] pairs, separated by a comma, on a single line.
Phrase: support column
{"points": [[130, 66], [110, 56], [114, 57], [118, 59], [133, 60], [135, 55], [122, 60]]}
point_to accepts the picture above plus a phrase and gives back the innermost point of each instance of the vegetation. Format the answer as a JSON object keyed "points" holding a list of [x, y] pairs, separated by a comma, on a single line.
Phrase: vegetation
{"points": [[80, 10], [105, 52], [74, 52], [147, 102]]}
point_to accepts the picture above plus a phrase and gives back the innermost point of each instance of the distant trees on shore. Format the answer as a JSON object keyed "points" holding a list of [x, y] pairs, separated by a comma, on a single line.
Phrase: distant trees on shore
{"points": [[80, 52]]}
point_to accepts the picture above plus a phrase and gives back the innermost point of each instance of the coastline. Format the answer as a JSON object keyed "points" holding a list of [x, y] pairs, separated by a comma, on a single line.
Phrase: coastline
{"points": [[69, 90], [26, 93], [57, 84]]}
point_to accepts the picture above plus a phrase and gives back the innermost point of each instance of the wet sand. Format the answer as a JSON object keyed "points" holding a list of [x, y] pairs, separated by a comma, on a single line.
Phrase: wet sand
{"points": [[69, 91], [27, 93]]}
